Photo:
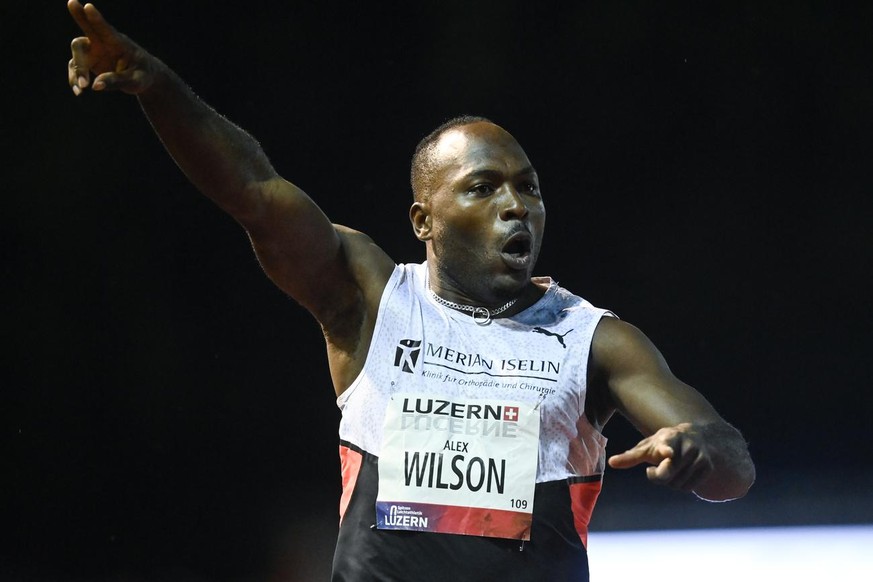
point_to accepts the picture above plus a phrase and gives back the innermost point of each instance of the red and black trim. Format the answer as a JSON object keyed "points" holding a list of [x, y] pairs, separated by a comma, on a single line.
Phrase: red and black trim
{"points": [[556, 550]]}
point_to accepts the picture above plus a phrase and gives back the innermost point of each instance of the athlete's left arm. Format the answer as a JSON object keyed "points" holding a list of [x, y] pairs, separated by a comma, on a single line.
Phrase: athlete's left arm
{"points": [[687, 443]]}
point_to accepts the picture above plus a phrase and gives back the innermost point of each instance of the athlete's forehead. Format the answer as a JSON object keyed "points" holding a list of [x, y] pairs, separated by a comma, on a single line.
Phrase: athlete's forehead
{"points": [[479, 146], [451, 144]]}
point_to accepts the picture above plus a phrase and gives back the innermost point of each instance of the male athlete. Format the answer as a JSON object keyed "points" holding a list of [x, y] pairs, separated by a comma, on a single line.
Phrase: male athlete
{"points": [[473, 393]]}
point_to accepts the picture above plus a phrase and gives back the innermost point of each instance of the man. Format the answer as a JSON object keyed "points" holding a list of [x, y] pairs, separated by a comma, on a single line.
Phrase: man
{"points": [[473, 393]]}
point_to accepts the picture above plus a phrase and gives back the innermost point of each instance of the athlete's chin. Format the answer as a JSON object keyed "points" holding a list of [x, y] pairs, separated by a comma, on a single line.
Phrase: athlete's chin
{"points": [[510, 283]]}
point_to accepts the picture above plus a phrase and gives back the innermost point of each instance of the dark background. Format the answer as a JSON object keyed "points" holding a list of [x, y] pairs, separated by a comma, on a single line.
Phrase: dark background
{"points": [[706, 169]]}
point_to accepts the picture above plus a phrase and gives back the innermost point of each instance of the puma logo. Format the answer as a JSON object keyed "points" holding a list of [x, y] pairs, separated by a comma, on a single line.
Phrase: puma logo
{"points": [[558, 336]]}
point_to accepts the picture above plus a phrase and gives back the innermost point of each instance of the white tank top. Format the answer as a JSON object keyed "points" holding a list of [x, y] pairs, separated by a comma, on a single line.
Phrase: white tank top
{"points": [[538, 356]]}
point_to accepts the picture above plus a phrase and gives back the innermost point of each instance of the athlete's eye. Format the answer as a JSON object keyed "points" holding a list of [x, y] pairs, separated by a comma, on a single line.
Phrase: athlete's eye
{"points": [[530, 188], [482, 189]]}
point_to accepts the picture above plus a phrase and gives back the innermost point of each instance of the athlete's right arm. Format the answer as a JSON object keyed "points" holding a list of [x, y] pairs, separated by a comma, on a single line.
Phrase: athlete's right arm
{"points": [[325, 269]]}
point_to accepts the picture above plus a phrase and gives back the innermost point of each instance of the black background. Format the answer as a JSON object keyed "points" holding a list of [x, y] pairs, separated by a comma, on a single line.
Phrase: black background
{"points": [[706, 168]]}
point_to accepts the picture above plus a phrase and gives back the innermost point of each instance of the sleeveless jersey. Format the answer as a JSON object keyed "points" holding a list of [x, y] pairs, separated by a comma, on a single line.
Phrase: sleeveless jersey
{"points": [[539, 357]]}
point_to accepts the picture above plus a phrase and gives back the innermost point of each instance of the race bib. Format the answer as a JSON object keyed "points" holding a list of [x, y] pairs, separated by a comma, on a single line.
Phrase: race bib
{"points": [[462, 466]]}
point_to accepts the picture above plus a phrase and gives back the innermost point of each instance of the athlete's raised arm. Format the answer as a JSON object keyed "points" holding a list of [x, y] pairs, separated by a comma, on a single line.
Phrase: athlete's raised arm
{"points": [[336, 273]]}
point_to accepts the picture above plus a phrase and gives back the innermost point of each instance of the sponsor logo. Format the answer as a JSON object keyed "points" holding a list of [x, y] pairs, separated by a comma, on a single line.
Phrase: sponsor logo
{"points": [[406, 355], [431, 360], [557, 336], [458, 418], [405, 517]]}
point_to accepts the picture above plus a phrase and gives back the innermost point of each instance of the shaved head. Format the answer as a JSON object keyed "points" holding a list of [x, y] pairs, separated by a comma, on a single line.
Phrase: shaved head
{"points": [[424, 160]]}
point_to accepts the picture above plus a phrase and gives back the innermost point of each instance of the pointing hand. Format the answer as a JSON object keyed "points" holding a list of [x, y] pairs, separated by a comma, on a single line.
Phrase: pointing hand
{"points": [[117, 62], [677, 456]]}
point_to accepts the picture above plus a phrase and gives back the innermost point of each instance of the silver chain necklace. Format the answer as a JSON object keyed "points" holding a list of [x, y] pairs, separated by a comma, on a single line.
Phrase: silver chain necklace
{"points": [[481, 315]]}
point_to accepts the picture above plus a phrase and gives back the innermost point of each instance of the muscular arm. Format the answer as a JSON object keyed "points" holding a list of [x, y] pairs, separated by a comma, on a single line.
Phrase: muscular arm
{"points": [[335, 273], [687, 443], [295, 242]]}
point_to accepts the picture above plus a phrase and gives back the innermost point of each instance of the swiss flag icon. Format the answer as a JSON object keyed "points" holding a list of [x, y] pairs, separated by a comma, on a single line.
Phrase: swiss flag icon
{"points": [[510, 413]]}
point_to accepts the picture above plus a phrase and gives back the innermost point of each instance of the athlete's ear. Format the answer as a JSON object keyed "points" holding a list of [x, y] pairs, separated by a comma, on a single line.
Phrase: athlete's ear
{"points": [[422, 223]]}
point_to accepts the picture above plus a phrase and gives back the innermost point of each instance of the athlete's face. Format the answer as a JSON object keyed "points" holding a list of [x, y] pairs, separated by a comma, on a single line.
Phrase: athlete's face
{"points": [[484, 218]]}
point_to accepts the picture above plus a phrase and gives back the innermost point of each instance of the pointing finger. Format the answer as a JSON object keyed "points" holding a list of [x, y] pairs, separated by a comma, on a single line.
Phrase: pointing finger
{"points": [[97, 24], [91, 21], [77, 11], [645, 452]]}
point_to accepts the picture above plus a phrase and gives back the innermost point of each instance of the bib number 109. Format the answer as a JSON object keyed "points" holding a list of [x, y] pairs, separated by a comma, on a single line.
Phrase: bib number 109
{"points": [[518, 503]]}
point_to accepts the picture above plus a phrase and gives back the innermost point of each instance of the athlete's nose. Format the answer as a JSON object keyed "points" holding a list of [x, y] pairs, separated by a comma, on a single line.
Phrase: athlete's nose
{"points": [[512, 203]]}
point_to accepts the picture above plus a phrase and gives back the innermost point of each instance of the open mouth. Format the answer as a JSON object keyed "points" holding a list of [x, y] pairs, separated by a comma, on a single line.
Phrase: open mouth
{"points": [[516, 251]]}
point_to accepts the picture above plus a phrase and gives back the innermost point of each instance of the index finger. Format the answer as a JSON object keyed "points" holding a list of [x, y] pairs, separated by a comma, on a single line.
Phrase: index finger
{"points": [[90, 20], [77, 11], [642, 453]]}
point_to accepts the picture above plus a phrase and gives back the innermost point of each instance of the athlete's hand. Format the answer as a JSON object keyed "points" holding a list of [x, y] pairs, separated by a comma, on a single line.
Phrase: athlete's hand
{"points": [[678, 457], [117, 61]]}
